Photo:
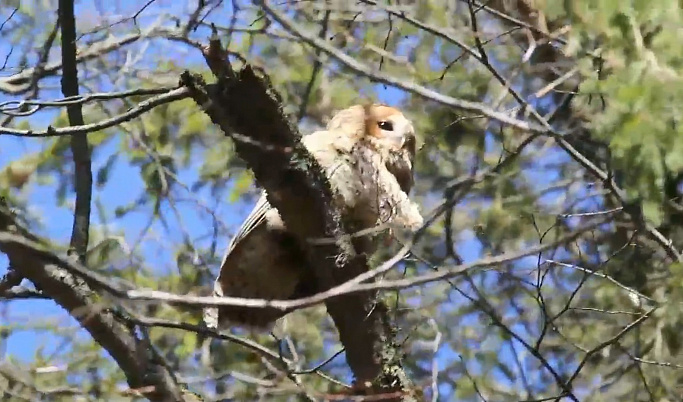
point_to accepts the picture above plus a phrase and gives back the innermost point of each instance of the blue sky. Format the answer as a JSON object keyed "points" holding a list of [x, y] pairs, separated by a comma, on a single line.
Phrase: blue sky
{"points": [[57, 221]]}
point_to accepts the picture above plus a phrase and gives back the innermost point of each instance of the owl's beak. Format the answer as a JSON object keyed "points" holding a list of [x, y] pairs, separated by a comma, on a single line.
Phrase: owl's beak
{"points": [[408, 141]]}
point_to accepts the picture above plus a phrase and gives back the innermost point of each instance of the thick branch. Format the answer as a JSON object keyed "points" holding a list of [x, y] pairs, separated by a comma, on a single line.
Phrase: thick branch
{"points": [[245, 104], [79, 143], [133, 357]]}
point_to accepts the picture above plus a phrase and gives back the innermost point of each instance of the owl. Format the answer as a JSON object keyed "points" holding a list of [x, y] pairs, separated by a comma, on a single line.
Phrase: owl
{"points": [[367, 154]]}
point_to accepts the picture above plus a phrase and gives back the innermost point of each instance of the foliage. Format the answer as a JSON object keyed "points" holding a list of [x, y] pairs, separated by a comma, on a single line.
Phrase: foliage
{"points": [[169, 191]]}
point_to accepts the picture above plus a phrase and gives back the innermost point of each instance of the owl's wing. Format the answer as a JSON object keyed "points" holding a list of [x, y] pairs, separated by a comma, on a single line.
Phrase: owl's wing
{"points": [[319, 144], [401, 164], [256, 217], [401, 167]]}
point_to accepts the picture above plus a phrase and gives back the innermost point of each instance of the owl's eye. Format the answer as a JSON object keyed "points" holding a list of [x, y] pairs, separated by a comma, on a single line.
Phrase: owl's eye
{"points": [[385, 125]]}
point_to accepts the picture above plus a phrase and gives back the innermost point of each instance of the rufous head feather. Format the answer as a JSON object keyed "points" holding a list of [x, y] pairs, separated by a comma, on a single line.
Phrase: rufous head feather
{"points": [[378, 121]]}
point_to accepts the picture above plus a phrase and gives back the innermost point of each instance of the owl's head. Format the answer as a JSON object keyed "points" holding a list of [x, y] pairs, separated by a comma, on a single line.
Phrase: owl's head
{"points": [[378, 121], [389, 125]]}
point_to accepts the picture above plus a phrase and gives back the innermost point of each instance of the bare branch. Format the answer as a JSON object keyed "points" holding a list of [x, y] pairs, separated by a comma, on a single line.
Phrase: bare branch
{"points": [[13, 107], [142, 107], [352, 285], [132, 356]]}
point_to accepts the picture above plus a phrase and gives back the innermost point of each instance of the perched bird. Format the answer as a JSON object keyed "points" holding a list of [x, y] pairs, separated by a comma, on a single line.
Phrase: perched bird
{"points": [[367, 153]]}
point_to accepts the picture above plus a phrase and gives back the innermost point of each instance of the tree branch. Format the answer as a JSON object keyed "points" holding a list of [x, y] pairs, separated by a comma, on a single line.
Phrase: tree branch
{"points": [[132, 355], [355, 284], [137, 110], [80, 149]]}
